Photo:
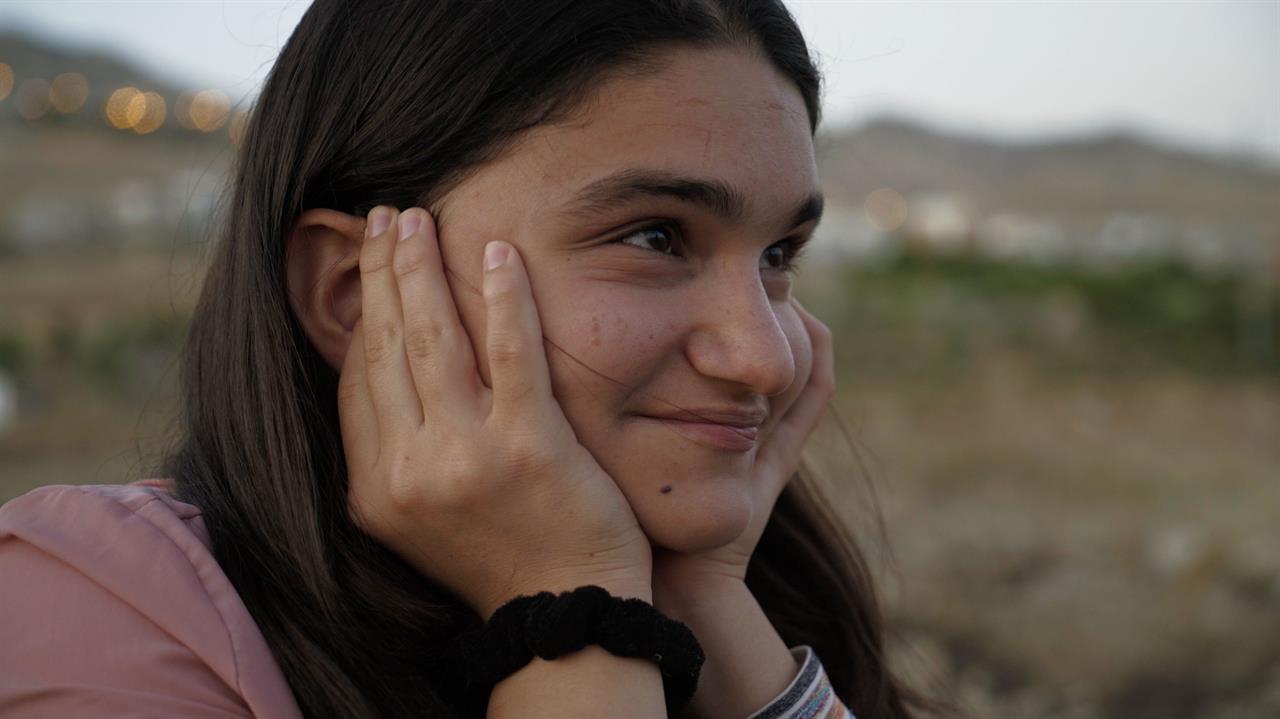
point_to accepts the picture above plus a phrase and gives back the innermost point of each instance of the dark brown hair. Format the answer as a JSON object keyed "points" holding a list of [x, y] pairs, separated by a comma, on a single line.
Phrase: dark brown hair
{"points": [[392, 103]]}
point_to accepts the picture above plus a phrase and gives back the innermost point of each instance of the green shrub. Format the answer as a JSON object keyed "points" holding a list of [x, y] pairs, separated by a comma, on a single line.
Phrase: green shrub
{"points": [[105, 357], [1140, 314], [13, 352]]}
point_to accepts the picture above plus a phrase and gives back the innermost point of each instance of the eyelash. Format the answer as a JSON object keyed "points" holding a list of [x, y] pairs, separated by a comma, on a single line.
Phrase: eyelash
{"points": [[792, 248]]}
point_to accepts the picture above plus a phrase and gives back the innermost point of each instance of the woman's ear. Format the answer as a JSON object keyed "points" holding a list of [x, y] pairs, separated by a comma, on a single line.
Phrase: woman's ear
{"points": [[323, 270]]}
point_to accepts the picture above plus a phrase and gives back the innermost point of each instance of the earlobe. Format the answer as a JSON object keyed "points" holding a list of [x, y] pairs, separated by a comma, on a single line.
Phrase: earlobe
{"points": [[323, 274]]}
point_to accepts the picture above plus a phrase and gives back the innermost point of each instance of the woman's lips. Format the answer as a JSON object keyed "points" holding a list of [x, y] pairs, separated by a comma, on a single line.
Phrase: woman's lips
{"points": [[715, 436]]}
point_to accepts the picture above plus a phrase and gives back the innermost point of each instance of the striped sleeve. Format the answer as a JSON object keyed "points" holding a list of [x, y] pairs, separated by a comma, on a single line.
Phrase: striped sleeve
{"points": [[809, 696]]}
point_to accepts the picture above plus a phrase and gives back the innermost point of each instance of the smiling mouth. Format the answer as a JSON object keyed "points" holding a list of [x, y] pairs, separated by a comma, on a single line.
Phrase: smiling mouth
{"points": [[714, 436]]}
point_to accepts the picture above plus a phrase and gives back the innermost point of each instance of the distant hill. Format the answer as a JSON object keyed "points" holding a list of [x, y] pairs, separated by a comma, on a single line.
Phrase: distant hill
{"points": [[1070, 178], [32, 56]]}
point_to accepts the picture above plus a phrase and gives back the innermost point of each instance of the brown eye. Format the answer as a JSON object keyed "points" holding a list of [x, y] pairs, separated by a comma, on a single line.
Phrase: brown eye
{"points": [[786, 253], [779, 254], [662, 238], [659, 237]]}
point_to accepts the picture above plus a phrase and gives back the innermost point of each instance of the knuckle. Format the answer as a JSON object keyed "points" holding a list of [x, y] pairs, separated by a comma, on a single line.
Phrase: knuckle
{"points": [[505, 349], [458, 472], [526, 456], [362, 514], [457, 492], [423, 342], [349, 389], [373, 258], [461, 483], [370, 507], [520, 395], [404, 487], [380, 345]]}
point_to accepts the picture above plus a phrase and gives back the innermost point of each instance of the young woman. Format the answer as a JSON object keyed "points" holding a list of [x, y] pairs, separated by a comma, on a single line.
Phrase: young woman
{"points": [[502, 305]]}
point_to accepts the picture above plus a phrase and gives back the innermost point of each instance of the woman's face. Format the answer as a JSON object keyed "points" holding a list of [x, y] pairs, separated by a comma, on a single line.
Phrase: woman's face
{"points": [[695, 316]]}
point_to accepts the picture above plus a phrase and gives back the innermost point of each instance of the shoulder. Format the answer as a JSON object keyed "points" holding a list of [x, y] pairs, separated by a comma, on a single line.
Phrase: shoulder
{"points": [[69, 515], [112, 590]]}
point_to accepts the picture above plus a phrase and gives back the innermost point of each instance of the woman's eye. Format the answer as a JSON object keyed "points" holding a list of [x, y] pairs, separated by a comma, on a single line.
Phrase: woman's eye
{"points": [[778, 251], [660, 236], [663, 238]]}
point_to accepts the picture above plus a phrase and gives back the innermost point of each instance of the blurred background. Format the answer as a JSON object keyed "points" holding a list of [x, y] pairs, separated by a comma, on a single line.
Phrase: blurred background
{"points": [[1050, 260]]}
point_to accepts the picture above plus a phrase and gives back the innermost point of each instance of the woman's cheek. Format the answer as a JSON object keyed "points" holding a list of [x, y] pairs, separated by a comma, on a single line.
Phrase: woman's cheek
{"points": [[602, 347]]}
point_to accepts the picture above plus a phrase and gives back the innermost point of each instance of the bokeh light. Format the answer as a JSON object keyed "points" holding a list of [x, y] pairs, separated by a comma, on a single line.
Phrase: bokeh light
{"points": [[6, 80], [68, 92], [886, 209], [117, 107], [151, 113], [209, 110], [128, 108], [33, 98], [236, 130], [135, 110]]}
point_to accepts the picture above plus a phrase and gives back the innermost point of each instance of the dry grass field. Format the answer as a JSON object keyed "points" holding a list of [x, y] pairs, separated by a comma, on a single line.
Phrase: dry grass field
{"points": [[1098, 548]]}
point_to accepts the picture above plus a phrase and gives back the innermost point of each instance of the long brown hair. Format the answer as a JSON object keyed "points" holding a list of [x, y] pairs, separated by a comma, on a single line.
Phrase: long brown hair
{"points": [[392, 102]]}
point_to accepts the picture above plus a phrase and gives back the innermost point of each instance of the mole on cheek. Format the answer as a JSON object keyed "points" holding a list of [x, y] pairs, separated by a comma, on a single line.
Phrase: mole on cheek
{"points": [[666, 489]]}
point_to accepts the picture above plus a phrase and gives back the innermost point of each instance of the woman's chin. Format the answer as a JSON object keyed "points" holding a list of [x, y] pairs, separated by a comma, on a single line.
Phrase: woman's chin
{"points": [[697, 523]]}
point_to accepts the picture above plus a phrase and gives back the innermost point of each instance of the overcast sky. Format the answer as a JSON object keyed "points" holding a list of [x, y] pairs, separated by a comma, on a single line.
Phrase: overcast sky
{"points": [[1204, 74]]}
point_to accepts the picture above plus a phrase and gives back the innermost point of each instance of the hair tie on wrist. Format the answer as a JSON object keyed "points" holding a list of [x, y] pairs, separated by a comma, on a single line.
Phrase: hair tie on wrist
{"points": [[550, 625]]}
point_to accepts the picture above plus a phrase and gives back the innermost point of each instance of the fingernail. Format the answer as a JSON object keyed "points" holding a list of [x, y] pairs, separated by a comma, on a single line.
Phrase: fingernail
{"points": [[495, 253], [379, 221], [409, 222]]}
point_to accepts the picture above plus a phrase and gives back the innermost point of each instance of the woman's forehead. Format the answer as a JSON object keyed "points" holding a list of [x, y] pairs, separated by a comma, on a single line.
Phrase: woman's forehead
{"points": [[715, 114]]}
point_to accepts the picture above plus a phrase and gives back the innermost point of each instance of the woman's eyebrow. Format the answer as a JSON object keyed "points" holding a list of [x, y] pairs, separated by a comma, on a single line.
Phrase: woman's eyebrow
{"points": [[721, 198]]}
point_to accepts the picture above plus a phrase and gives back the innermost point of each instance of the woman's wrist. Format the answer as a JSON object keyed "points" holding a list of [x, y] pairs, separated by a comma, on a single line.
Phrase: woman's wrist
{"points": [[694, 594], [747, 662]]}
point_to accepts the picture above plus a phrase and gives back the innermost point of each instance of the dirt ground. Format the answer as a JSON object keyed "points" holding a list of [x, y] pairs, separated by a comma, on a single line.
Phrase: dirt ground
{"points": [[1081, 548]]}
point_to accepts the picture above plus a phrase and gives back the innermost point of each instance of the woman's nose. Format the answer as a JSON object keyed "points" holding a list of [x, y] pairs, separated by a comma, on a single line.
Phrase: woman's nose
{"points": [[737, 336]]}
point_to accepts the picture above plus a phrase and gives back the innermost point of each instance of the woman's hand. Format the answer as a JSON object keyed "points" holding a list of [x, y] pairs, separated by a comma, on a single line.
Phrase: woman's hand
{"points": [[485, 490], [679, 576]]}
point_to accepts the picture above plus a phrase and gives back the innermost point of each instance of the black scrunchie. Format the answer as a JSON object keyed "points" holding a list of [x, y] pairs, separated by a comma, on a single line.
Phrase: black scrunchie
{"points": [[550, 626]]}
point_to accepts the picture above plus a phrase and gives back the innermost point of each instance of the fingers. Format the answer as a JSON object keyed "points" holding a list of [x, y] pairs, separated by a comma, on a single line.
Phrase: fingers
{"points": [[789, 436], [441, 360], [391, 387], [824, 365], [517, 361], [357, 417]]}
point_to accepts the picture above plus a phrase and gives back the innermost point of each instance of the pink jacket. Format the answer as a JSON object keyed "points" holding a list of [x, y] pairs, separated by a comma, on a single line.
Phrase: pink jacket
{"points": [[111, 605]]}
